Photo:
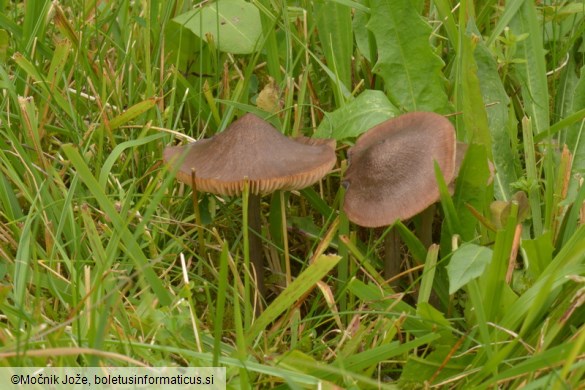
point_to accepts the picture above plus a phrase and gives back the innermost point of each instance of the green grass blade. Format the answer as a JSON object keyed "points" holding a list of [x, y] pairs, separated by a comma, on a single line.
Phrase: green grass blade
{"points": [[118, 150], [335, 34], [301, 285], [532, 176], [133, 248], [453, 224], [428, 275], [220, 307]]}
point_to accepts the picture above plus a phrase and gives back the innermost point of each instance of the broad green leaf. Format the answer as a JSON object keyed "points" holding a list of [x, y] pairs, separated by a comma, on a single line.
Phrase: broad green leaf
{"points": [[468, 262], [406, 61], [469, 100], [366, 111], [531, 71], [494, 95], [471, 189], [234, 25], [364, 39]]}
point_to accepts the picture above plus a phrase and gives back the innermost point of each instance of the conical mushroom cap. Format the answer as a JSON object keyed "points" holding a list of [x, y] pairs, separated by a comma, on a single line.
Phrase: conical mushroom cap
{"points": [[391, 173], [251, 148]]}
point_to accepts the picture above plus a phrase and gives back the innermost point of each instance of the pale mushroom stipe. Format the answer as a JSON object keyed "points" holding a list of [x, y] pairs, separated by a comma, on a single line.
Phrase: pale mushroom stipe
{"points": [[252, 150]]}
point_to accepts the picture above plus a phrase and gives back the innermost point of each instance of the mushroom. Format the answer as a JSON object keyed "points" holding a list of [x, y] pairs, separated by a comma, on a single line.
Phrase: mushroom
{"points": [[251, 150], [391, 173]]}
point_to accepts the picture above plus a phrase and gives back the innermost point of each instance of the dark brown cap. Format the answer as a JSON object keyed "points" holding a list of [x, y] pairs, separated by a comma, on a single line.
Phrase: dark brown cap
{"points": [[251, 148], [391, 173]]}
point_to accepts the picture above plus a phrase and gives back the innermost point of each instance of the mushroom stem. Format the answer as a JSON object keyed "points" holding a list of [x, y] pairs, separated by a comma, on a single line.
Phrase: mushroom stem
{"points": [[256, 251], [285, 239], [392, 256], [200, 237]]}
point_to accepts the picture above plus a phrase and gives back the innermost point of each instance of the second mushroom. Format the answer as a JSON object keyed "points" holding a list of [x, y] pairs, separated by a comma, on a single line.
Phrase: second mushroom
{"points": [[391, 173]]}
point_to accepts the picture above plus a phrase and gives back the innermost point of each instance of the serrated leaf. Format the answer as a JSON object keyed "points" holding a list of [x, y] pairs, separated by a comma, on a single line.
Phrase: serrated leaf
{"points": [[468, 262], [366, 111], [406, 61], [363, 37], [235, 25], [493, 91]]}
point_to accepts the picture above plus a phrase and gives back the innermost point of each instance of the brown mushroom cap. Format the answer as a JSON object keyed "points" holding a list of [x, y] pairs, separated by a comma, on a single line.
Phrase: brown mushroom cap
{"points": [[391, 173], [251, 148]]}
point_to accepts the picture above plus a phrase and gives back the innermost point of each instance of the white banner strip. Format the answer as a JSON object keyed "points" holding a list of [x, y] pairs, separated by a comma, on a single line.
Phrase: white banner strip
{"points": [[69, 378]]}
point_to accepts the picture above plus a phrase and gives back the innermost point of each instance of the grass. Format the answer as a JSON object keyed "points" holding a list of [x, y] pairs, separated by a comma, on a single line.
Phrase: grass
{"points": [[102, 257]]}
